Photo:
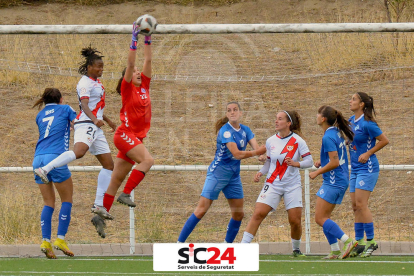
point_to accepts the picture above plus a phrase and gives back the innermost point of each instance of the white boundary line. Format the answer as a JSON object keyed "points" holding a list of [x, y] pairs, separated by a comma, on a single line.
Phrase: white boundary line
{"points": [[149, 273], [265, 261]]}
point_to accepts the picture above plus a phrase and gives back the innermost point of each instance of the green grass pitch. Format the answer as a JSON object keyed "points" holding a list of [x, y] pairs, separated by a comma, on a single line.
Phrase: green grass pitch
{"points": [[269, 265]]}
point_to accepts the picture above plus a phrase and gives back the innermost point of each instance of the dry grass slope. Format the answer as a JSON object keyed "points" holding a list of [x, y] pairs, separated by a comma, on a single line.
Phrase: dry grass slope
{"points": [[308, 69]]}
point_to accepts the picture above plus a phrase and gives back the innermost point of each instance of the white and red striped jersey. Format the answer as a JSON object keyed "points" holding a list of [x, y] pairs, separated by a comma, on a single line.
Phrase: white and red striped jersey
{"points": [[279, 173], [93, 90]]}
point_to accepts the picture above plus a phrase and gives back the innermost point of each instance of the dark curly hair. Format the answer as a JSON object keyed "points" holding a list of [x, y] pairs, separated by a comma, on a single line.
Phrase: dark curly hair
{"points": [[90, 54]]}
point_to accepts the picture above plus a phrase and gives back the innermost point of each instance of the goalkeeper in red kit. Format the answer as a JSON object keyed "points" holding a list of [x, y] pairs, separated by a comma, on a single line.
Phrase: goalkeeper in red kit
{"points": [[135, 116]]}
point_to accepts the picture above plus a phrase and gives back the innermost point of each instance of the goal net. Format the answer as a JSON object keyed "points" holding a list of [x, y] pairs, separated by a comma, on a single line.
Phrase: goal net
{"points": [[194, 76]]}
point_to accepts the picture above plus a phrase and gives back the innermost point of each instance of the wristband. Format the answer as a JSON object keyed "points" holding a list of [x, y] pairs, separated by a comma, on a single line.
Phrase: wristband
{"points": [[133, 45], [147, 40]]}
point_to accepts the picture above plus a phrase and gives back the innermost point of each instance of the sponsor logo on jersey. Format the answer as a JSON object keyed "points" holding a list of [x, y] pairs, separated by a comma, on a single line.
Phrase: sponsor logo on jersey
{"points": [[226, 134], [143, 90]]}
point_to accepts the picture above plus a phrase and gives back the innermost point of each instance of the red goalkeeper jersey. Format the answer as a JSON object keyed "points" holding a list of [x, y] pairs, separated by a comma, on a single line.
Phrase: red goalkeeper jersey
{"points": [[136, 107]]}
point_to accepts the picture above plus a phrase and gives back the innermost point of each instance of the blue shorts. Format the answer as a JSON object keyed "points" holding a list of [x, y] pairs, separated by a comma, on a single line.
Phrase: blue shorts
{"points": [[331, 194], [230, 184], [57, 175], [363, 181]]}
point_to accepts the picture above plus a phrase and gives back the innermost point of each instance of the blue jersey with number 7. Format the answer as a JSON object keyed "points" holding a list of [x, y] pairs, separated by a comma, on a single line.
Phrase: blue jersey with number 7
{"points": [[53, 122], [333, 141]]}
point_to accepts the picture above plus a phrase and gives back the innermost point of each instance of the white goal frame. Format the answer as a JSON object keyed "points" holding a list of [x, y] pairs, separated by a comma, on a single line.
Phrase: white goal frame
{"points": [[212, 29], [204, 168]]}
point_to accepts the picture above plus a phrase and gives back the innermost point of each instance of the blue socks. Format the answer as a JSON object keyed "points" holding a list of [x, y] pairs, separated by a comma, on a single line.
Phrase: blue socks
{"points": [[232, 230], [46, 222], [64, 218], [331, 238], [359, 230], [188, 227], [369, 230], [332, 228]]}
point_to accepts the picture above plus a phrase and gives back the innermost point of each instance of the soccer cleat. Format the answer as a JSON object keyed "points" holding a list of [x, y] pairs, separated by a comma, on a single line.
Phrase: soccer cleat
{"points": [[126, 200], [46, 248], [42, 174], [369, 248], [102, 212], [333, 255], [298, 253], [61, 245], [348, 246], [100, 225], [358, 249]]}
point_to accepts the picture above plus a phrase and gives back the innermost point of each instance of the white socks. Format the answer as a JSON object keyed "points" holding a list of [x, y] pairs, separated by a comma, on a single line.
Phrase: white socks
{"points": [[61, 237], [104, 178], [335, 247], [247, 238], [295, 244], [344, 238], [63, 159]]}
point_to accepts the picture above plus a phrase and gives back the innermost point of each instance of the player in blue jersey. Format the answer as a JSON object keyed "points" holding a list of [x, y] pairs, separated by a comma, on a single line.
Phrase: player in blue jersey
{"points": [[334, 168], [53, 122], [364, 169], [88, 132], [223, 174]]}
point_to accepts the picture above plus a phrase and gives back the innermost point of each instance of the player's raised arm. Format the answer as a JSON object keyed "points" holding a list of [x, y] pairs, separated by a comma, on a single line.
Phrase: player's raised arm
{"points": [[146, 69], [135, 116], [132, 54]]}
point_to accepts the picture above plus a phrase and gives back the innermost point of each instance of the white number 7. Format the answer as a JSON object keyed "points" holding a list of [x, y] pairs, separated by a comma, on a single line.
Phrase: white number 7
{"points": [[342, 158], [49, 120]]}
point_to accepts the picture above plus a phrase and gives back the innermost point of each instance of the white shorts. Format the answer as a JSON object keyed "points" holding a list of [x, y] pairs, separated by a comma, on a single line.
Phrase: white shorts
{"points": [[272, 195], [93, 136]]}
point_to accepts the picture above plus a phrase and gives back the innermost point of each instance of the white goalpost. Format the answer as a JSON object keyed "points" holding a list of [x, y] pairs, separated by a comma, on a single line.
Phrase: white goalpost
{"points": [[197, 69], [253, 168]]}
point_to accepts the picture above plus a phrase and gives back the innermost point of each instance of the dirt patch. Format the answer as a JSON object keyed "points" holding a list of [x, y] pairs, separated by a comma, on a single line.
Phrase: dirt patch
{"points": [[182, 126]]}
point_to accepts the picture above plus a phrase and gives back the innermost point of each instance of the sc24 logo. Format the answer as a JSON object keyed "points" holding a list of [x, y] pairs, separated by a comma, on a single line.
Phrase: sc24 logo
{"points": [[228, 255]]}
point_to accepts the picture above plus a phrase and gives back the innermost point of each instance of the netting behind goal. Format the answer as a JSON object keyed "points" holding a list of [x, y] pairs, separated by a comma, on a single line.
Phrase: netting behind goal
{"points": [[194, 77]]}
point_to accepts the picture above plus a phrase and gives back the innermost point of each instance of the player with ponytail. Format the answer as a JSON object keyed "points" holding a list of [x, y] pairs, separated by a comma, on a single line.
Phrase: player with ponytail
{"points": [[135, 116], [53, 122], [284, 150], [223, 174], [334, 168], [88, 132], [364, 169]]}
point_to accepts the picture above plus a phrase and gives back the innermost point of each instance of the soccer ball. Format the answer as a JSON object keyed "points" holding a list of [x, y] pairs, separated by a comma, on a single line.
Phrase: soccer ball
{"points": [[146, 24]]}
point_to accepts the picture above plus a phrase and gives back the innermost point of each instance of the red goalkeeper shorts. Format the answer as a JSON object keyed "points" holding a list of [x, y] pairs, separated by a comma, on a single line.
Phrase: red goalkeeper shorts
{"points": [[124, 141]]}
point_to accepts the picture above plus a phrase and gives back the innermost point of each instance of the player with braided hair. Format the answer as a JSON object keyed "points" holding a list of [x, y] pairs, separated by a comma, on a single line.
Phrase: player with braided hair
{"points": [[88, 132]]}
